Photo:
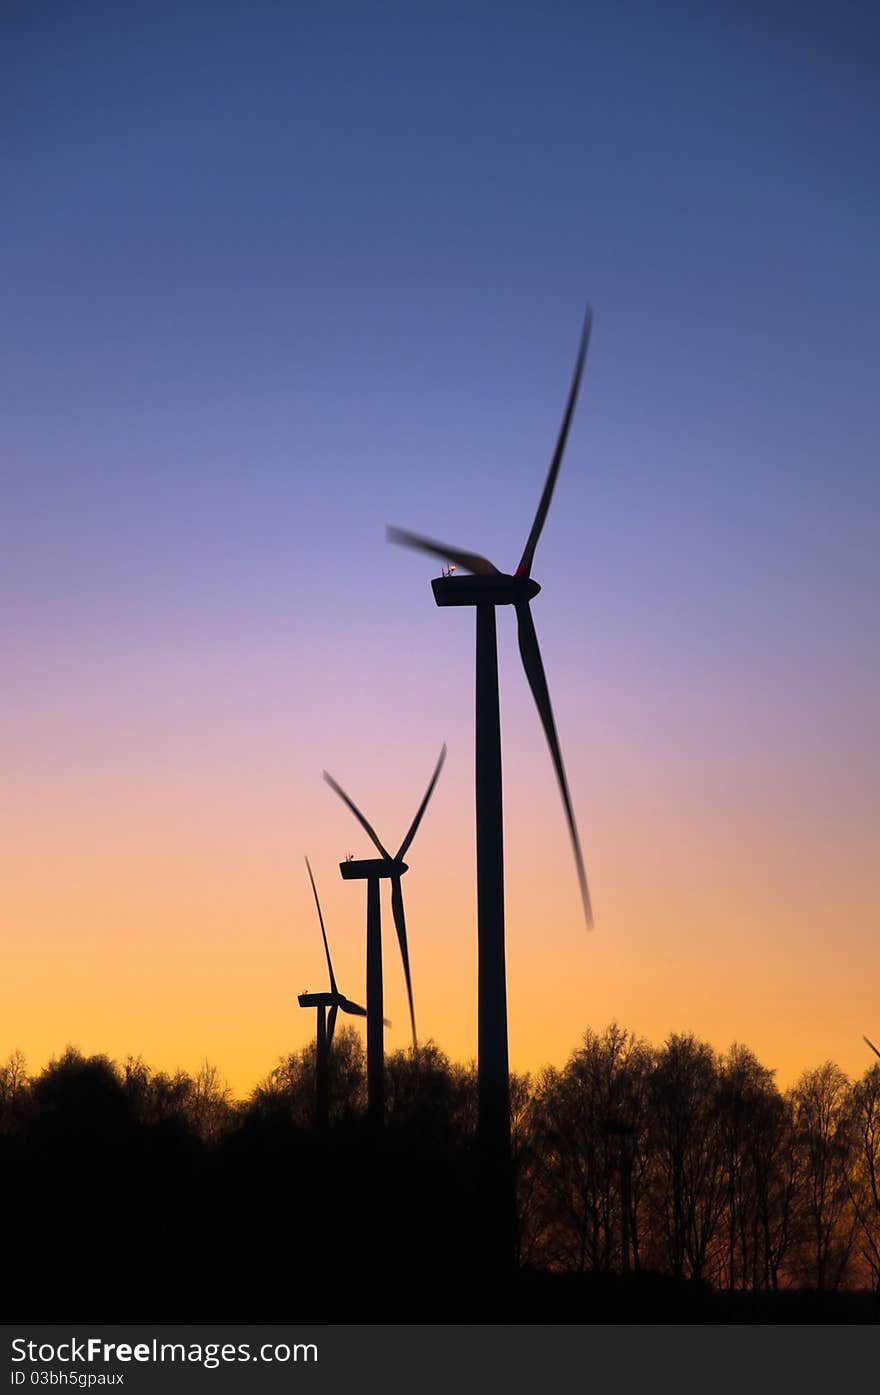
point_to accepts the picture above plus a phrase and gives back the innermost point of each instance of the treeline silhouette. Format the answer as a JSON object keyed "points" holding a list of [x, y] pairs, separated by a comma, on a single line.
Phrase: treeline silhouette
{"points": [[653, 1184]]}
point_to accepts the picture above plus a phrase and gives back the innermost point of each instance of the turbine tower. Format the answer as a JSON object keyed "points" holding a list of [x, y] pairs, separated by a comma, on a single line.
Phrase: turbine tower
{"points": [[372, 871], [334, 1000], [485, 589]]}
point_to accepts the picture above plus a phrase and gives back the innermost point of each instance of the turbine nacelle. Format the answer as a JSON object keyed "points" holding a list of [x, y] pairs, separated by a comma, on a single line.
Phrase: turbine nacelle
{"points": [[363, 869], [498, 588], [332, 1000], [307, 1000]]}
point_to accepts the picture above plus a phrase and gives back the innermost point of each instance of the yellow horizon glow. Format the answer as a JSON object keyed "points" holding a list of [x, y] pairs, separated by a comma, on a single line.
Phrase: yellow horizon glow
{"points": [[157, 902]]}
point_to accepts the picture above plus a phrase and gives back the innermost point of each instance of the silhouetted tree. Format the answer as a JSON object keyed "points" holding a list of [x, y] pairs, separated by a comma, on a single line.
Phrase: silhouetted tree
{"points": [[130, 1186], [865, 1172], [210, 1104], [290, 1087], [688, 1191], [423, 1091], [13, 1088], [776, 1171], [589, 1137], [525, 1142], [824, 1139], [747, 1102], [80, 1094]]}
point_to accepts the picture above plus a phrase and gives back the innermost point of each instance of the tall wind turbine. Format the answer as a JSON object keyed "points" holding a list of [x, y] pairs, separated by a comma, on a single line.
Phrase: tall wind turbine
{"points": [[334, 1000], [372, 871], [871, 1044], [486, 588]]}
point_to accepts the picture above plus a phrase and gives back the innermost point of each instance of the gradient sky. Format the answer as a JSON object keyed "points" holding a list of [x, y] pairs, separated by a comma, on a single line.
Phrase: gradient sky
{"points": [[276, 274]]}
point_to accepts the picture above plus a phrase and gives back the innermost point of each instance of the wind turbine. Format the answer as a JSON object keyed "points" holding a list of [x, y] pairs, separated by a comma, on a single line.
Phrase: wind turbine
{"points": [[871, 1044], [334, 1000], [372, 871], [485, 589]]}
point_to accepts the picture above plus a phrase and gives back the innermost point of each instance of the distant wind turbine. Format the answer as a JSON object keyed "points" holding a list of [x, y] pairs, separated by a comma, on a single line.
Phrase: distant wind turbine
{"points": [[485, 589], [334, 1000], [372, 871]]}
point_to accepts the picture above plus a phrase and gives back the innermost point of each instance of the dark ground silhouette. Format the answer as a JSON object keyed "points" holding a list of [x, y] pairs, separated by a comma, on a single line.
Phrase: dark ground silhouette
{"points": [[653, 1186]]}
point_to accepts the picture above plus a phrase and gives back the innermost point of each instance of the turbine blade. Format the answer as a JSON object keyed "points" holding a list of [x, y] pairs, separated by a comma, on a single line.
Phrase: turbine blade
{"points": [[525, 566], [354, 1009], [333, 988], [400, 927], [367, 827], [331, 1024], [413, 828], [534, 667], [471, 561], [872, 1046]]}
